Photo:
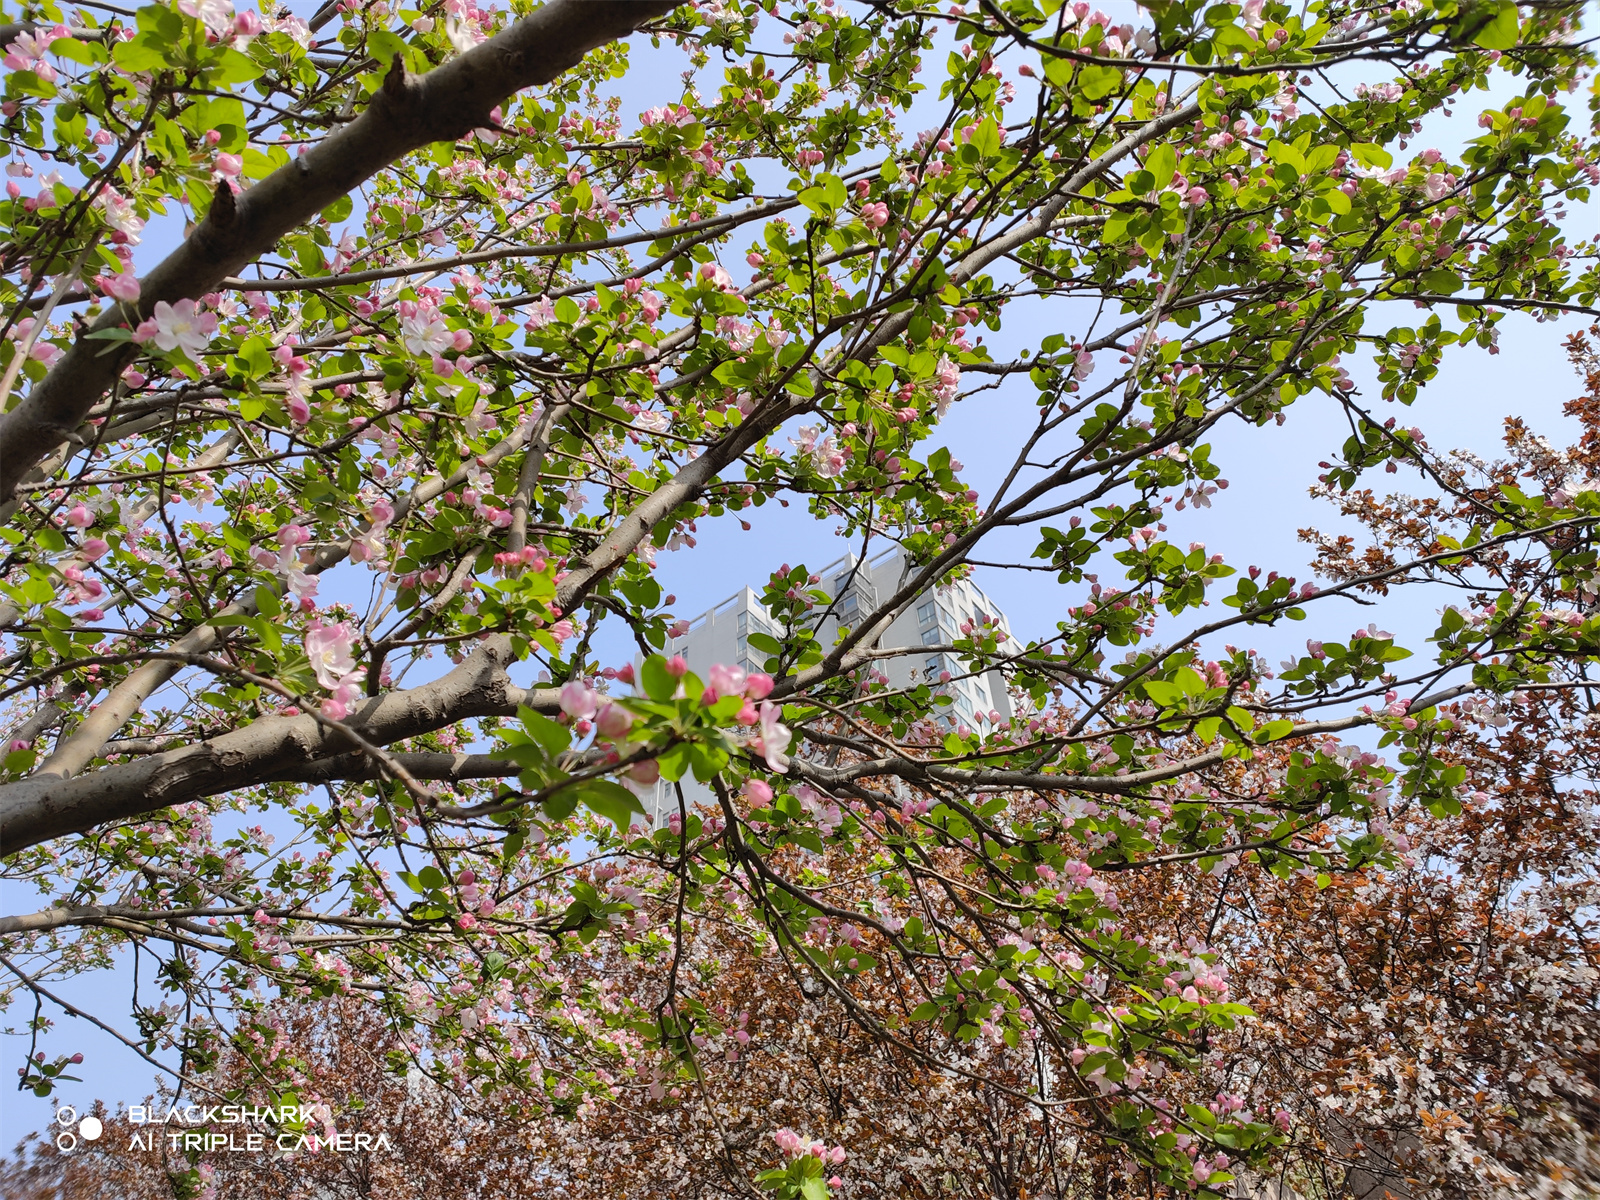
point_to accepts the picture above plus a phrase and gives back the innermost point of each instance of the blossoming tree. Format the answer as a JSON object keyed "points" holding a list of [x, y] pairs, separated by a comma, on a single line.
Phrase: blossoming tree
{"points": [[335, 344]]}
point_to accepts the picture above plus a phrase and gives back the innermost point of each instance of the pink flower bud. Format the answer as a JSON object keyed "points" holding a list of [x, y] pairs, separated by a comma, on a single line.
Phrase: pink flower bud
{"points": [[758, 686], [122, 286], [677, 666], [578, 701], [614, 722]]}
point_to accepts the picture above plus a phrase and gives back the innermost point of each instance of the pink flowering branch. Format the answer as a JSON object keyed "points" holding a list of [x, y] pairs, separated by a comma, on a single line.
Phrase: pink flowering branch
{"points": [[406, 114]]}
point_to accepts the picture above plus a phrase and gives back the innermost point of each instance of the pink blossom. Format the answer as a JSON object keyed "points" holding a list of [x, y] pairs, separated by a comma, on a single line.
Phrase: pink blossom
{"points": [[124, 286], [216, 15], [80, 517], [329, 649], [757, 791], [578, 700], [774, 738], [27, 53], [423, 330], [93, 548], [121, 215], [727, 681], [614, 722], [304, 586], [345, 694], [758, 686], [645, 772], [178, 326], [713, 274]]}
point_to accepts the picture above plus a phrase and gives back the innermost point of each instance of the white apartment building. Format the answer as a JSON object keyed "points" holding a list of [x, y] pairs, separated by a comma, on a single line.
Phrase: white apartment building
{"points": [[855, 587]]}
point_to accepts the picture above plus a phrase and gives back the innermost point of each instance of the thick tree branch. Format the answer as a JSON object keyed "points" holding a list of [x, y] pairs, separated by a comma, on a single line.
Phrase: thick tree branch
{"points": [[275, 748]]}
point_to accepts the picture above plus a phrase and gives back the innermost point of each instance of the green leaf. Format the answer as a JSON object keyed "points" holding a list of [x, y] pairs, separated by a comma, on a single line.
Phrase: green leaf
{"points": [[659, 683], [1098, 82], [1443, 281], [1058, 71], [234, 67], [1500, 33], [610, 800], [550, 736], [143, 53], [87, 53], [1163, 164], [1368, 154], [1162, 692], [986, 138]]}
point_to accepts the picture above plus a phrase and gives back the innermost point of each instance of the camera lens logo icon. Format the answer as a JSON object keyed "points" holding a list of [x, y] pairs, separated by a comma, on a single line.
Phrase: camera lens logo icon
{"points": [[89, 1129]]}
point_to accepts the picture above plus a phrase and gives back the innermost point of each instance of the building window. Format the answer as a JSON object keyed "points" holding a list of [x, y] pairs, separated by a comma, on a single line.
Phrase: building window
{"points": [[926, 613], [934, 666], [848, 607], [840, 582], [744, 621], [930, 637]]}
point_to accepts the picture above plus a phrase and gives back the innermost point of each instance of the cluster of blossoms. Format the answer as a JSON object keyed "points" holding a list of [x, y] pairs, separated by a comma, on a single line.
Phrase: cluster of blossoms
{"points": [[331, 651], [794, 1147]]}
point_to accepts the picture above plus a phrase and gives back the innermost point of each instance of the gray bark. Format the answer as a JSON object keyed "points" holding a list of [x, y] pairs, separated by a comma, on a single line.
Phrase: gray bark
{"points": [[274, 748]]}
